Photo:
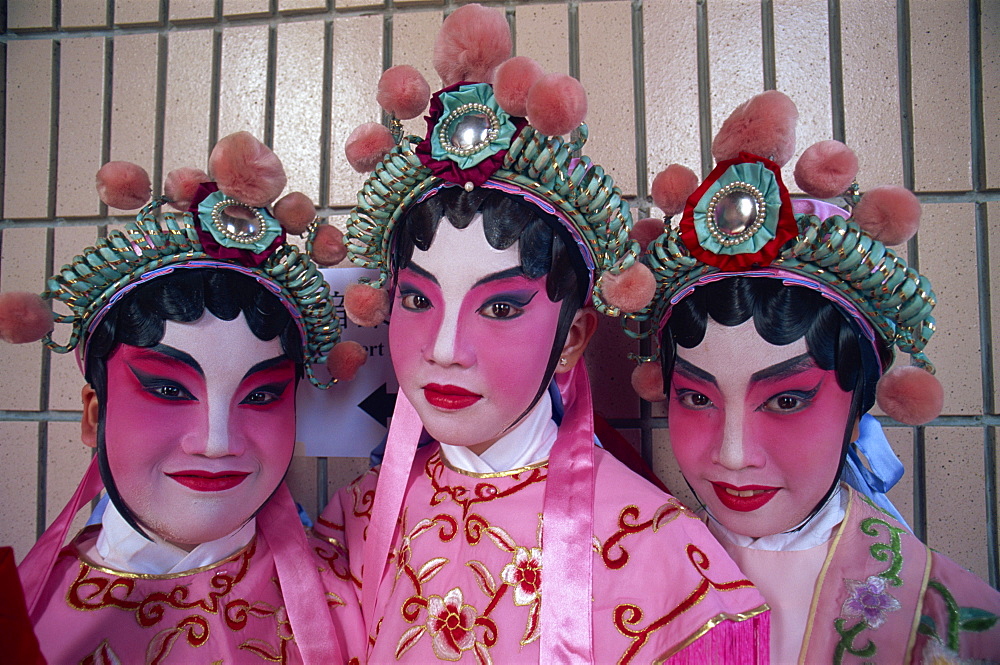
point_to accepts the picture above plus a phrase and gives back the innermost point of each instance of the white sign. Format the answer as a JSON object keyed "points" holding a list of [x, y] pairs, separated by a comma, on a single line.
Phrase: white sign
{"points": [[350, 418]]}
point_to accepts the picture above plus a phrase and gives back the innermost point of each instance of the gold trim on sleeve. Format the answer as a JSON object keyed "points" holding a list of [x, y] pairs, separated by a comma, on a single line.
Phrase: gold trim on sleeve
{"points": [[709, 625]]}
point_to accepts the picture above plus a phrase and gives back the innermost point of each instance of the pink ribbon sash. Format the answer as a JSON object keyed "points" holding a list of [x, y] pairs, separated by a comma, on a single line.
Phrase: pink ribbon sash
{"points": [[568, 528], [394, 477], [301, 588], [41, 560]]}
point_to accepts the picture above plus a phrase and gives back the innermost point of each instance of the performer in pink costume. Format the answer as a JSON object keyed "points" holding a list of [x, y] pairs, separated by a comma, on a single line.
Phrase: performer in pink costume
{"points": [[777, 320], [192, 333], [511, 537]]}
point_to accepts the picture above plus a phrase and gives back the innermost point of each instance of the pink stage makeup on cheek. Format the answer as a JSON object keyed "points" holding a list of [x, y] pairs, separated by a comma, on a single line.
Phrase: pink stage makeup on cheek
{"points": [[269, 427], [139, 424], [512, 352], [411, 332], [766, 450]]}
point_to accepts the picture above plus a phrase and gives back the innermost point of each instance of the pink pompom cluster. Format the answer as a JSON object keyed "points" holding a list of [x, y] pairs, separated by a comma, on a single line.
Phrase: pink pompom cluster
{"points": [[764, 126], [24, 317], [471, 44]]}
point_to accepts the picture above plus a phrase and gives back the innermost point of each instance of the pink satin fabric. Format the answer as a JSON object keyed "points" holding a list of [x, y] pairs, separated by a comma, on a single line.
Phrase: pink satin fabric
{"points": [[38, 565], [567, 584], [301, 587], [468, 579], [302, 590], [404, 433]]}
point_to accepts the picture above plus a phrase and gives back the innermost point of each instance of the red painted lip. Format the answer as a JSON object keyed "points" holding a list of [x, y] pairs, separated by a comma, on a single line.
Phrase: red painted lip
{"points": [[744, 504], [203, 481], [451, 398]]}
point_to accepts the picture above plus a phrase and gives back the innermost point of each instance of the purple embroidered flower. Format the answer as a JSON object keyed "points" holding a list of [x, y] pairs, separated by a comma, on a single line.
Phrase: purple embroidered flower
{"points": [[869, 600]]}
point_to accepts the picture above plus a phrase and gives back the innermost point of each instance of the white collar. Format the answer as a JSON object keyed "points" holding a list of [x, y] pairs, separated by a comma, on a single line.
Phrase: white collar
{"points": [[123, 548], [817, 530], [530, 441]]}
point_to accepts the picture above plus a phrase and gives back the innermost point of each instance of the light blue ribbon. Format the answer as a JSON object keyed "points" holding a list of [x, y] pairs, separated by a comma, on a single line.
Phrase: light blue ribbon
{"points": [[883, 471]]}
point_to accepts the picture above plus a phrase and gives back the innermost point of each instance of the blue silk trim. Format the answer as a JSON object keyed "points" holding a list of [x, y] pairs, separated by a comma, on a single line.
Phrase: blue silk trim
{"points": [[883, 470]]}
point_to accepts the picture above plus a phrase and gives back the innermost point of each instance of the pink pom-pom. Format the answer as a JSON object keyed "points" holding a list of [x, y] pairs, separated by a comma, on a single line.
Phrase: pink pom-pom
{"points": [[646, 231], [764, 126], [647, 382], [826, 169], [403, 92], [123, 185], [181, 185], [514, 78], [557, 104], [24, 317], [366, 305], [367, 145], [295, 212], [911, 395], [328, 248], [247, 170], [345, 359], [890, 214], [672, 187], [471, 44], [631, 289]]}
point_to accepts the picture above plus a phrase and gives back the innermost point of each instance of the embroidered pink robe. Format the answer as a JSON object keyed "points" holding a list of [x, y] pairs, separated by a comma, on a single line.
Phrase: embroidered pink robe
{"points": [[230, 612], [464, 580], [881, 596]]}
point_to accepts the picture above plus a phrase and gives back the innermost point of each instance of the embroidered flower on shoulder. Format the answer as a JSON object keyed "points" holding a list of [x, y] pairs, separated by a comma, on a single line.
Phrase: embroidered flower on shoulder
{"points": [[936, 653], [451, 624], [869, 600], [524, 575]]}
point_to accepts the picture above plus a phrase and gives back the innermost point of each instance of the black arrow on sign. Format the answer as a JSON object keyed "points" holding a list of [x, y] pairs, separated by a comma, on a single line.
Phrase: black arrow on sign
{"points": [[379, 405]]}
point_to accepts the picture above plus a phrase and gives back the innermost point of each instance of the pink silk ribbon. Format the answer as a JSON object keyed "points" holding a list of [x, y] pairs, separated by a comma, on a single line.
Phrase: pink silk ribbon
{"points": [[301, 588], [41, 560], [568, 528], [393, 480]]}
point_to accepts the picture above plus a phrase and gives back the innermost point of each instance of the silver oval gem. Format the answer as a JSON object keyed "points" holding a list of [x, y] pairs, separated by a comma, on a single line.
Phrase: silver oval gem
{"points": [[239, 222], [735, 212], [471, 131]]}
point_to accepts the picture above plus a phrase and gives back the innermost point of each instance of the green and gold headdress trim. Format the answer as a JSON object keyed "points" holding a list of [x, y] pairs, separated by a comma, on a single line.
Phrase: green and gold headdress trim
{"points": [[741, 222], [95, 280], [223, 225], [577, 191]]}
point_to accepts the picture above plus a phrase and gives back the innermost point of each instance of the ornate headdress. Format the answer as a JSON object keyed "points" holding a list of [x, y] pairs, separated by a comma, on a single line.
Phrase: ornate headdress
{"points": [[507, 136], [740, 221], [225, 224]]}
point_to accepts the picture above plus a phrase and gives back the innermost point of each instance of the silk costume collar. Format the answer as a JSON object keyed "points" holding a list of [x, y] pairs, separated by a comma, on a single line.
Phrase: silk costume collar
{"points": [[528, 442], [123, 548]]}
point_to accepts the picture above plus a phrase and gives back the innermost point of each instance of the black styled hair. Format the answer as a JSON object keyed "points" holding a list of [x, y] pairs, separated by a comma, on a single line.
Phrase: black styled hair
{"points": [[545, 247], [783, 314], [184, 295]]}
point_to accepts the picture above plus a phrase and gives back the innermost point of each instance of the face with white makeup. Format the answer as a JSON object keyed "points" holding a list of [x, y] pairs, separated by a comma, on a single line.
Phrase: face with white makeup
{"points": [[486, 303], [193, 418], [761, 384]]}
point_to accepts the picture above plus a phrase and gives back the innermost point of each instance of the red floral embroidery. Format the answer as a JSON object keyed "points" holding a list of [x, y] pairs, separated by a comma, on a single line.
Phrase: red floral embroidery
{"points": [[629, 526], [482, 491], [95, 590], [524, 574], [451, 624], [627, 615]]}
